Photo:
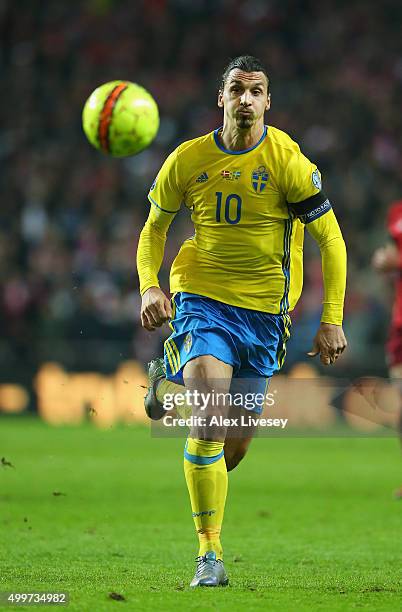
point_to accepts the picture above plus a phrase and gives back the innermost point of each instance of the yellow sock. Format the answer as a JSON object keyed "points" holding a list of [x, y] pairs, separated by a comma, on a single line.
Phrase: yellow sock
{"points": [[207, 482]]}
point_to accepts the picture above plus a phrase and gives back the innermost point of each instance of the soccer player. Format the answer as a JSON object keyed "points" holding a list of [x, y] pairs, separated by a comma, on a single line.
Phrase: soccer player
{"points": [[388, 259], [251, 193]]}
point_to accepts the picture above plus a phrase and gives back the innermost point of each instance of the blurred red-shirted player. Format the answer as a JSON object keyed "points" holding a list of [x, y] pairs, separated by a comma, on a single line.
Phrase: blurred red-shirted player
{"points": [[389, 259]]}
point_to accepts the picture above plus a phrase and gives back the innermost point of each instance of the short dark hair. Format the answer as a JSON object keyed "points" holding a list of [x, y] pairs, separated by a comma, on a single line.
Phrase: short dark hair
{"points": [[247, 63]]}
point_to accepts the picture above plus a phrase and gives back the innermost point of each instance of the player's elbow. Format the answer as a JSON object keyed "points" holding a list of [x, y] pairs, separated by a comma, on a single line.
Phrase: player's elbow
{"points": [[334, 243], [153, 230]]}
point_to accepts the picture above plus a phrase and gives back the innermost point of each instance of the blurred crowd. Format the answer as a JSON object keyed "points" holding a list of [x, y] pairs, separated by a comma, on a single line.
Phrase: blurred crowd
{"points": [[71, 217]]}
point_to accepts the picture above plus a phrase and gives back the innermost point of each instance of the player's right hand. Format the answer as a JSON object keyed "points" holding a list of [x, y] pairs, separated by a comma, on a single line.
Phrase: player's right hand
{"points": [[155, 309], [329, 343]]}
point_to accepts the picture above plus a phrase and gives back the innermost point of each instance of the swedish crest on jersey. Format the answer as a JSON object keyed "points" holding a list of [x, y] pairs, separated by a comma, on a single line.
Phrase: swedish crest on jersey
{"points": [[259, 179]]}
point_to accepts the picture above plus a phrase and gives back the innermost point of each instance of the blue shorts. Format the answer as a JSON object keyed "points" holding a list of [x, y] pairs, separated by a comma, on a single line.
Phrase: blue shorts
{"points": [[252, 342]]}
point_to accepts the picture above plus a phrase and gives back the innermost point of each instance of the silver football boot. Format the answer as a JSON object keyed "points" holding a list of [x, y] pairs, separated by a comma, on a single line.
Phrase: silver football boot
{"points": [[156, 373], [210, 572]]}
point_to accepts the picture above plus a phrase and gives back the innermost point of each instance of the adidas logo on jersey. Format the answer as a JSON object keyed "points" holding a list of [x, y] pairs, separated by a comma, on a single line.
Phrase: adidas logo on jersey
{"points": [[202, 178]]}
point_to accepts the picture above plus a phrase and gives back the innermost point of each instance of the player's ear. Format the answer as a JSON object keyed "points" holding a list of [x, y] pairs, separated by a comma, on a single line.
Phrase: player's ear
{"points": [[268, 104], [220, 98]]}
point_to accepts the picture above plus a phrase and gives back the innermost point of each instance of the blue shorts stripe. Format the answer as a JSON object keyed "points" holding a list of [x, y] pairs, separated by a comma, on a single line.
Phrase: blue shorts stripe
{"points": [[173, 314], [176, 352], [285, 337], [171, 357]]}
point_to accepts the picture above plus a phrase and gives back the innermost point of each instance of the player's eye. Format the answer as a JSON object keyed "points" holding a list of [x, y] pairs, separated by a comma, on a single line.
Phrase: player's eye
{"points": [[256, 92]]}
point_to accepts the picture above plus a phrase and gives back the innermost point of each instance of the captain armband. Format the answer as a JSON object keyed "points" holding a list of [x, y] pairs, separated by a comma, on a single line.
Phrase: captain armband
{"points": [[311, 209]]}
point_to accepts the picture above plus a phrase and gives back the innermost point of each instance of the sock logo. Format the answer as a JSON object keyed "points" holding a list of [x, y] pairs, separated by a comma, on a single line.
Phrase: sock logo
{"points": [[204, 513]]}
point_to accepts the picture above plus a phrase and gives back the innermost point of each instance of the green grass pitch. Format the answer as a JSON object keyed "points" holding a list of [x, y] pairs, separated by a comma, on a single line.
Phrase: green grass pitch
{"points": [[310, 523]]}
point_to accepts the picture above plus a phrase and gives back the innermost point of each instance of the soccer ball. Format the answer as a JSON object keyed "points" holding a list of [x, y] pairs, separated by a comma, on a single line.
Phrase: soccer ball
{"points": [[120, 118]]}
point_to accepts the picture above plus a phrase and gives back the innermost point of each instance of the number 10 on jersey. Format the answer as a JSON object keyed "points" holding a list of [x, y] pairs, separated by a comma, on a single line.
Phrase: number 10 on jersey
{"points": [[232, 208]]}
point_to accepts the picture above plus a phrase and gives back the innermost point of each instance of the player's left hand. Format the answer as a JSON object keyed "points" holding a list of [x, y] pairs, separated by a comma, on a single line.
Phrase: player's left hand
{"points": [[329, 343]]}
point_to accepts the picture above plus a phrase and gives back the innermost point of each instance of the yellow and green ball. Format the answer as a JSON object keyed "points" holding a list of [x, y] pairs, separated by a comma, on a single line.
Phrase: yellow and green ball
{"points": [[120, 118]]}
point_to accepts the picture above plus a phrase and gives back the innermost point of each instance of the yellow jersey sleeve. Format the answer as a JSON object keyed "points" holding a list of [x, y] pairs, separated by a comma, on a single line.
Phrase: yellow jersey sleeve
{"points": [[166, 192], [151, 247], [302, 179], [303, 191], [326, 232], [166, 195], [306, 200]]}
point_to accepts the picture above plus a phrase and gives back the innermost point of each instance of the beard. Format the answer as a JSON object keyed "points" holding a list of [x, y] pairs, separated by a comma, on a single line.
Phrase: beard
{"points": [[244, 121]]}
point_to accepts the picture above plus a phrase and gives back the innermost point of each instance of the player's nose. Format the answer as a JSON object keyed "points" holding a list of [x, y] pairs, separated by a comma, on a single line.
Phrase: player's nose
{"points": [[245, 98]]}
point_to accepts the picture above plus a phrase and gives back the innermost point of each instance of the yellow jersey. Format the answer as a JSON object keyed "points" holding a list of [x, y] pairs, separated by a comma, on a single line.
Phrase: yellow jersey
{"points": [[247, 249]]}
